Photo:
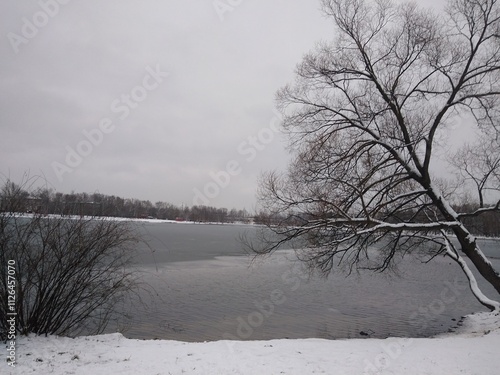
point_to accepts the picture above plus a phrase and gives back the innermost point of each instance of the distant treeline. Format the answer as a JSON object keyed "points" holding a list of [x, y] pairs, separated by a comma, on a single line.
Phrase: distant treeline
{"points": [[486, 224], [14, 198]]}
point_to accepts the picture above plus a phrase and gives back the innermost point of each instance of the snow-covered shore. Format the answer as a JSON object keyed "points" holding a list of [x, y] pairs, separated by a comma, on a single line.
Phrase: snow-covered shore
{"points": [[472, 350], [128, 219]]}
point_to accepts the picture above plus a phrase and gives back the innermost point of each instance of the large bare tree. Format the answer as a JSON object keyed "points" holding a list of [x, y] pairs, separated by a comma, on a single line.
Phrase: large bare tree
{"points": [[366, 118]]}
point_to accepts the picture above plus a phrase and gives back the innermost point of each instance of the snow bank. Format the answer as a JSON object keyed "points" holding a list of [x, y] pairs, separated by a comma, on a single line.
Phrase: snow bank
{"points": [[472, 350], [130, 219]]}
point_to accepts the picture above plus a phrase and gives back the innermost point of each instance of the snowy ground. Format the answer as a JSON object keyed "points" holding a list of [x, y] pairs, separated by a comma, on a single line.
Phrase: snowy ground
{"points": [[473, 350]]}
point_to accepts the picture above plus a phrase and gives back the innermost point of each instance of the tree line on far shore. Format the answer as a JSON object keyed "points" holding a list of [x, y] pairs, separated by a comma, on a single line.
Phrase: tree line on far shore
{"points": [[18, 198]]}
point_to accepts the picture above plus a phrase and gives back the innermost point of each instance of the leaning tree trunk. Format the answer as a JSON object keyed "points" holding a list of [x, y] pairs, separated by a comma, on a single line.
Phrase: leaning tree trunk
{"points": [[470, 248], [453, 254], [467, 242]]}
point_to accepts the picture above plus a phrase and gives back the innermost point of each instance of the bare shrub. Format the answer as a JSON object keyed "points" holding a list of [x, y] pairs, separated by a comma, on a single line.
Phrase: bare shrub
{"points": [[72, 274]]}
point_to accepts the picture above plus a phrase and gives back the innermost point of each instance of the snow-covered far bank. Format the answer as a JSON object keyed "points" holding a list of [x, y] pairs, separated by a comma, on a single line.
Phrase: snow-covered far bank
{"points": [[131, 219], [472, 350]]}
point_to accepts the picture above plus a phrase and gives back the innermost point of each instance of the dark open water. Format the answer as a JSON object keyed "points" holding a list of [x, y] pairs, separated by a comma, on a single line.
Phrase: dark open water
{"points": [[209, 289]]}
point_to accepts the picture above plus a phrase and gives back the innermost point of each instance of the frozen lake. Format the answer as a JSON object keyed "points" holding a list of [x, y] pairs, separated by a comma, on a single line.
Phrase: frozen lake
{"points": [[209, 289]]}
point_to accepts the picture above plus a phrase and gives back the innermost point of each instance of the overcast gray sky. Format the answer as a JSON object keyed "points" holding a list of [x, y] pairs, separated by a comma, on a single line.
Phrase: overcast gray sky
{"points": [[150, 99]]}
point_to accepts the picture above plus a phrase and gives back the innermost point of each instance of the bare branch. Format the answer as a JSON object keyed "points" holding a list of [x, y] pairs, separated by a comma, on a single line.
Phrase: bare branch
{"points": [[364, 119]]}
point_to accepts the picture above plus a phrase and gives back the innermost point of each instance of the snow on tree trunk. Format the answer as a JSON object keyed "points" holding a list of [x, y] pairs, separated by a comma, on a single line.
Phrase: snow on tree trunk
{"points": [[481, 297]]}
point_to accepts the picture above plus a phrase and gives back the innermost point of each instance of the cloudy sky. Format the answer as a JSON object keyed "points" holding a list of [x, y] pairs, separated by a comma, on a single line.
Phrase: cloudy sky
{"points": [[168, 100]]}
